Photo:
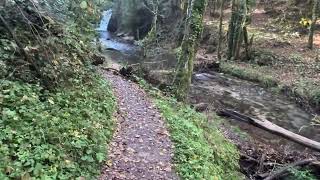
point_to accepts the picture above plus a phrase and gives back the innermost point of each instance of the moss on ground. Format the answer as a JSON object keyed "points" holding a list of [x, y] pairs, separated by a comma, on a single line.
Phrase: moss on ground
{"points": [[248, 74]]}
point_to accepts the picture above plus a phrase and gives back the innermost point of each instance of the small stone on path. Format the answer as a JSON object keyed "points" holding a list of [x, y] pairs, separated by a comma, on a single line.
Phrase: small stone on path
{"points": [[141, 147]]}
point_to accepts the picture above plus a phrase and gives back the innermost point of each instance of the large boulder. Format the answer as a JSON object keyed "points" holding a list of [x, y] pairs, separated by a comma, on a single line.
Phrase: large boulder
{"points": [[113, 24]]}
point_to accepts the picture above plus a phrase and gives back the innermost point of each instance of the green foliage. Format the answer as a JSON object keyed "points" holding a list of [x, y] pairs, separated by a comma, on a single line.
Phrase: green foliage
{"points": [[193, 32], [57, 39], [201, 151], [308, 89], [61, 135], [305, 22], [301, 174], [150, 38], [263, 58], [315, 121]]}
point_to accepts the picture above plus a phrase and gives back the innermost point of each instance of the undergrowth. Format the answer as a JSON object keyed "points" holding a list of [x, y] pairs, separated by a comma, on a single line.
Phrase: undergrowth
{"points": [[54, 135], [201, 151], [309, 90], [299, 174], [249, 74]]}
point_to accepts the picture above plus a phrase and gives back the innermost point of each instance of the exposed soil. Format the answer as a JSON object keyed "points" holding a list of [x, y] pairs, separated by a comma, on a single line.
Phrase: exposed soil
{"points": [[141, 148]]}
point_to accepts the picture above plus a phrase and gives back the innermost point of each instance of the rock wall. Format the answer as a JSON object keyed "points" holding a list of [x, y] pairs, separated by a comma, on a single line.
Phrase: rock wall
{"points": [[135, 17]]}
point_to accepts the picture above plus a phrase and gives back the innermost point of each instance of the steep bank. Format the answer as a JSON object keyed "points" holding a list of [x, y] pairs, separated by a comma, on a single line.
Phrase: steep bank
{"points": [[55, 111]]}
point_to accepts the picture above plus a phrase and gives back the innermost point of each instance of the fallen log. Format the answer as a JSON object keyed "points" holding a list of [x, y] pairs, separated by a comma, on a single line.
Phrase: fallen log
{"points": [[283, 171], [273, 128]]}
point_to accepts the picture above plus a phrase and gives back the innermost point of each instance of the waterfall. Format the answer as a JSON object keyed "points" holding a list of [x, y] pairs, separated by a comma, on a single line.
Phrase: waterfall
{"points": [[106, 16], [111, 41]]}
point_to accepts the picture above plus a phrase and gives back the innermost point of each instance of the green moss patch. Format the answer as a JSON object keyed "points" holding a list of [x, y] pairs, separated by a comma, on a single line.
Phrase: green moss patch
{"points": [[248, 74]]}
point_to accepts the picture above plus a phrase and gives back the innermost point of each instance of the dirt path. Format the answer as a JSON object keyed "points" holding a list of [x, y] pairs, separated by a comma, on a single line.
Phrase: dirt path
{"points": [[141, 148]]}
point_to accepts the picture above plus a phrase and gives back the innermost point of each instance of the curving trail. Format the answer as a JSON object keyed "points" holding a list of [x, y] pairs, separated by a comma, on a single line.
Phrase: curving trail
{"points": [[141, 148]]}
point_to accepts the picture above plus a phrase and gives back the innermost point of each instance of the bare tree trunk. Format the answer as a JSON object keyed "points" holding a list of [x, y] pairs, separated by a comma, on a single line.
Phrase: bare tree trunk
{"points": [[213, 4], [246, 43], [185, 6], [313, 23], [3, 3], [220, 28], [238, 43], [15, 38], [231, 30], [193, 32]]}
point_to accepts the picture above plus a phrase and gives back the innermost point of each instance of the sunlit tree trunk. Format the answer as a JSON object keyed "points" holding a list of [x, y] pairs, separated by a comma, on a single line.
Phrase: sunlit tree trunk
{"points": [[192, 34], [220, 29], [246, 42], [185, 6], [313, 23], [237, 32], [212, 6], [231, 29]]}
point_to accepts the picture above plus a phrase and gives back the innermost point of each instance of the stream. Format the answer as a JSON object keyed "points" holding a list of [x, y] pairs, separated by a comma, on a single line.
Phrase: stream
{"points": [[114, 47], [223, 91], [220, 90]]}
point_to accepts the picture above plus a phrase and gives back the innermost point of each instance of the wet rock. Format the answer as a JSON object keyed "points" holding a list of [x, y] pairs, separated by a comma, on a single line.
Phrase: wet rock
{"points": [[113, 23], [136, 17], [126, 72], [111, 49], [97, 60]]}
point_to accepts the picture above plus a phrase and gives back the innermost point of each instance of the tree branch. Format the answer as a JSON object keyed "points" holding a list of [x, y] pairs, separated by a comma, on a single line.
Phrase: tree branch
{"points": [[286, 169], [21, 48]]}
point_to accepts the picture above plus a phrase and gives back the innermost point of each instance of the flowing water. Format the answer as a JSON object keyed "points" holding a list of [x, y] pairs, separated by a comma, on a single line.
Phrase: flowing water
{"points": [[219, 90], [222, 91], [118, 49]]}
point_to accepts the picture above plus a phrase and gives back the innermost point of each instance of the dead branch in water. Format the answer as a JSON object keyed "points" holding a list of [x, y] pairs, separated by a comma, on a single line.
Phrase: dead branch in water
{"points": [[272, 128]]}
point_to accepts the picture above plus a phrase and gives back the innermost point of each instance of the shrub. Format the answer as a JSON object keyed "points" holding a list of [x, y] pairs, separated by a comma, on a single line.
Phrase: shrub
{"points": [[59, 135]]}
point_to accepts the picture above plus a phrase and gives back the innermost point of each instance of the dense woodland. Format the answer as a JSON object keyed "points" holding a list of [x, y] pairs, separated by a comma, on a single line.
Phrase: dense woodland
{"points": [[159, 89]]}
